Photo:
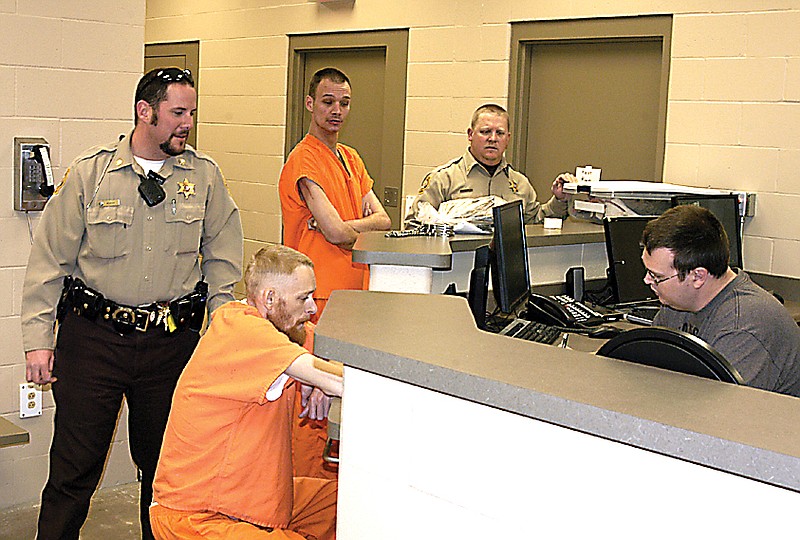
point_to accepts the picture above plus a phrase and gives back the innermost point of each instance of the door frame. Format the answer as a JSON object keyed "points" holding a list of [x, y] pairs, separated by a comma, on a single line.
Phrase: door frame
{"points": [[525, 35], [190, 50], [395, 43]]}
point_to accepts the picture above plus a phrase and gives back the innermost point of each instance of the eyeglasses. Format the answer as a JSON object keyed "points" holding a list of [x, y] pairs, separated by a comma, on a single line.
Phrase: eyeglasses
{"points": [[658, 280]]}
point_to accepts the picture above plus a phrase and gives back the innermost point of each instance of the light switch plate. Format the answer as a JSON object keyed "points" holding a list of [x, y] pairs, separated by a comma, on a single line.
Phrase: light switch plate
{"points": [[30, 400], [391, 196]]}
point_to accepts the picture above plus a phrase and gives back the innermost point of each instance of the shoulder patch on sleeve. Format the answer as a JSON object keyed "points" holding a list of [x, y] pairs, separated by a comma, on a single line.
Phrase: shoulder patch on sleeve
{"points": [[425, 183], [512, 185], [63, 179]]}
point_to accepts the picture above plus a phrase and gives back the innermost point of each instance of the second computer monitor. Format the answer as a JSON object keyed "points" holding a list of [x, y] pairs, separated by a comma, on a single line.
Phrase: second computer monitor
{"points": [[726, 209], [625, 268], [509, 269]]}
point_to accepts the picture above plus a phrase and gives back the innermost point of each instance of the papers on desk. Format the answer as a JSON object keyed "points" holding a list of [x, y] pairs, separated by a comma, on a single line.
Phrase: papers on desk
{"points": [[467, 216]]}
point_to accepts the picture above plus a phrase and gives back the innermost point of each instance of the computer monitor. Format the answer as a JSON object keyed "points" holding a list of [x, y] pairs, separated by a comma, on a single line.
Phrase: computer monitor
{"points": [[509, 261], [726, 209], [625, 268]]}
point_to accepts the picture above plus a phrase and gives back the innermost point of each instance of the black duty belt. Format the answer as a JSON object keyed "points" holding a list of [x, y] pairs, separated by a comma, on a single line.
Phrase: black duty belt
{"points": [[188, 311]]}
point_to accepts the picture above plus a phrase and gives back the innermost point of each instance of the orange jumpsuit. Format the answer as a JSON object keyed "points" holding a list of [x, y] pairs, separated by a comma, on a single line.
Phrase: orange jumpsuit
{"points": [[345, 187], [225, 469], [309, 436]]}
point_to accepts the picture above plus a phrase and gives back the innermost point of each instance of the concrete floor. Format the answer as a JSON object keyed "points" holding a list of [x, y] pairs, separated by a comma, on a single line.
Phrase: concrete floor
{"points": [[114, 514]]}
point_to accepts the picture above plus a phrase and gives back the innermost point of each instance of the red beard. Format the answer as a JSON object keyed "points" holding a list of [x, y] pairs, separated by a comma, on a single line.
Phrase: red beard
{"points": [[286, 324]]}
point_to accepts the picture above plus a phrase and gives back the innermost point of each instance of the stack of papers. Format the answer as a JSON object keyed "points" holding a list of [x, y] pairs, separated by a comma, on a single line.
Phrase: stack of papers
{"points": [[467, 216]]}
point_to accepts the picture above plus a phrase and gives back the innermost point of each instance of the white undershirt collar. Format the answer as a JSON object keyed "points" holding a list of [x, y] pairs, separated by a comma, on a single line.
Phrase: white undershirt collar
{"points": [[149, 164]]}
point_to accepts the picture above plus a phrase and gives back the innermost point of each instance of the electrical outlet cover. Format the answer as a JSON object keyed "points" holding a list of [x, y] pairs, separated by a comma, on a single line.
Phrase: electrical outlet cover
{"points": [[30, 400]]}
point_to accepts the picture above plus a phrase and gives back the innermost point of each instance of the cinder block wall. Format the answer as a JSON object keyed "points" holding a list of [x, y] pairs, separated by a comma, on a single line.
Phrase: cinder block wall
{"points": [[67, 73], [732, 114]]}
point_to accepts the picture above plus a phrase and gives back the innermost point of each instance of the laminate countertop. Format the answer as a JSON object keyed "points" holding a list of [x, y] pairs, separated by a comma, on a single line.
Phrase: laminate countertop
{"points": [[436, 252], [11, 434], [431, 341]]}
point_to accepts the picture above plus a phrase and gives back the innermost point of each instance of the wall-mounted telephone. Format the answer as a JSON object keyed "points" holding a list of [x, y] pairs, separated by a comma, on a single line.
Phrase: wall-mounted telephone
{"points": [[33, 173], [561, 310]]}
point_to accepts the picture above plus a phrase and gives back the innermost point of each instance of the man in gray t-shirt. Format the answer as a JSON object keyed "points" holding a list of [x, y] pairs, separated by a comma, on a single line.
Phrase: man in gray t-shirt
{"points": [[686, 253]]}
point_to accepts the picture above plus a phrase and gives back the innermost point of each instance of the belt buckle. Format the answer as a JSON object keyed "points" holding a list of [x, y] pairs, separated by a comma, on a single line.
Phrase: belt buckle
{"points": [[146, 316], [124, 319]]}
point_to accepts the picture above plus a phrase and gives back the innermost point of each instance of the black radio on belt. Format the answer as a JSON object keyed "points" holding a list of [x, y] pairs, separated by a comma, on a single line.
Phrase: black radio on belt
{"points": [[150, 189]]}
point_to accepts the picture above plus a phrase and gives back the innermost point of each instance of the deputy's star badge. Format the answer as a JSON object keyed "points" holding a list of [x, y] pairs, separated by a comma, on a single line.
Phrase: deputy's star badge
{"points": [[186, 187]]}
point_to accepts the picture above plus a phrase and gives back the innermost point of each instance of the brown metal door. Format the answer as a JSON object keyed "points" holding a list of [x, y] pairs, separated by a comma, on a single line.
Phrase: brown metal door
{"points": [[375, 63], [180, 55], [593, 103]]}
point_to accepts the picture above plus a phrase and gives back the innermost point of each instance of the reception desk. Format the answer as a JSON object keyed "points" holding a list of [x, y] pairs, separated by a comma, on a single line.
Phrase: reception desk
{"points": [[428, 264], [11, 434], [451, 432]]}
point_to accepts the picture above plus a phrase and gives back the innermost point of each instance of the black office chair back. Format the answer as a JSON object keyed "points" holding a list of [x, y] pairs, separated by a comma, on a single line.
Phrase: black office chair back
{"points": [[670, 349]]}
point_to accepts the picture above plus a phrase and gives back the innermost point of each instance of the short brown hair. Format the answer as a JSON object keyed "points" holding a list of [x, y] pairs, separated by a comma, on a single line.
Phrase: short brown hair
{"points": [[331, 73], [153, 86], [271, 262], [489, 108]]}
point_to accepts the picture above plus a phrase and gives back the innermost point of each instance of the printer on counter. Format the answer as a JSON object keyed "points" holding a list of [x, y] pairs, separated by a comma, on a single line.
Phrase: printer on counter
{"points": [[597, 199]]}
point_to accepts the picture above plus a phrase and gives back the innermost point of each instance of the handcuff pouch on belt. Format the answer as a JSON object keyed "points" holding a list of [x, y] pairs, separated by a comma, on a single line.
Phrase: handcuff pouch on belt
{"points": [[188, 311], [80, 299]]}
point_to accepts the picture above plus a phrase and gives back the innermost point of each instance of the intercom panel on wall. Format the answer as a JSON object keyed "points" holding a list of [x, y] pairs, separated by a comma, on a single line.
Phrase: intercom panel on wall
{"points": [[33, 174]]}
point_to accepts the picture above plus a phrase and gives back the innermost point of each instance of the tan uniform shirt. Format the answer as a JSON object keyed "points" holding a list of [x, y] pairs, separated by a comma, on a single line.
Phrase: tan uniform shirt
{"points": [[97, 227], [465, 178]]}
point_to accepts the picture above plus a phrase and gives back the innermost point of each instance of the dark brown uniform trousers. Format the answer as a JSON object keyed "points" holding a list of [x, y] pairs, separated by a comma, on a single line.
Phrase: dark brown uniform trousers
{"points": [[96, 366]]}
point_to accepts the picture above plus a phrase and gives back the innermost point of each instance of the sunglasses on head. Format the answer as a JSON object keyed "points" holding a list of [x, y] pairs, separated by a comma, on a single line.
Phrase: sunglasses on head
{"points": [[169, 75]]}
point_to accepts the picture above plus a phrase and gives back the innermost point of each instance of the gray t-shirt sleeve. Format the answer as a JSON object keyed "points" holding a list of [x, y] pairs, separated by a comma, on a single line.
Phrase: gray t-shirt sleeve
{"points": [[748, 355]]}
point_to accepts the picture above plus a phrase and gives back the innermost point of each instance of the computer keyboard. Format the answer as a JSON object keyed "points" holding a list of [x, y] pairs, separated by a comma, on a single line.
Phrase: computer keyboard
{"points": [[532, 331]]}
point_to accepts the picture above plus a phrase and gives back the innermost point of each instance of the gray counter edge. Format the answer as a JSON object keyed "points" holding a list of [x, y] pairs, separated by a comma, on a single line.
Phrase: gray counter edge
{"points": [[374, 248], [729, 456]]}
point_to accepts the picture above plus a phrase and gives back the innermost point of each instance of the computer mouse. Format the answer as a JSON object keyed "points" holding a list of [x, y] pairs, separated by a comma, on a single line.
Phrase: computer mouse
{"points": [[605, 332]]}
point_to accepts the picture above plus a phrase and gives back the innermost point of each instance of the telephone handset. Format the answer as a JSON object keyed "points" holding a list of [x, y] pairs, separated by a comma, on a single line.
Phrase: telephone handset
{"points": [[561, 310], [42, 155], [33, 174]]}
